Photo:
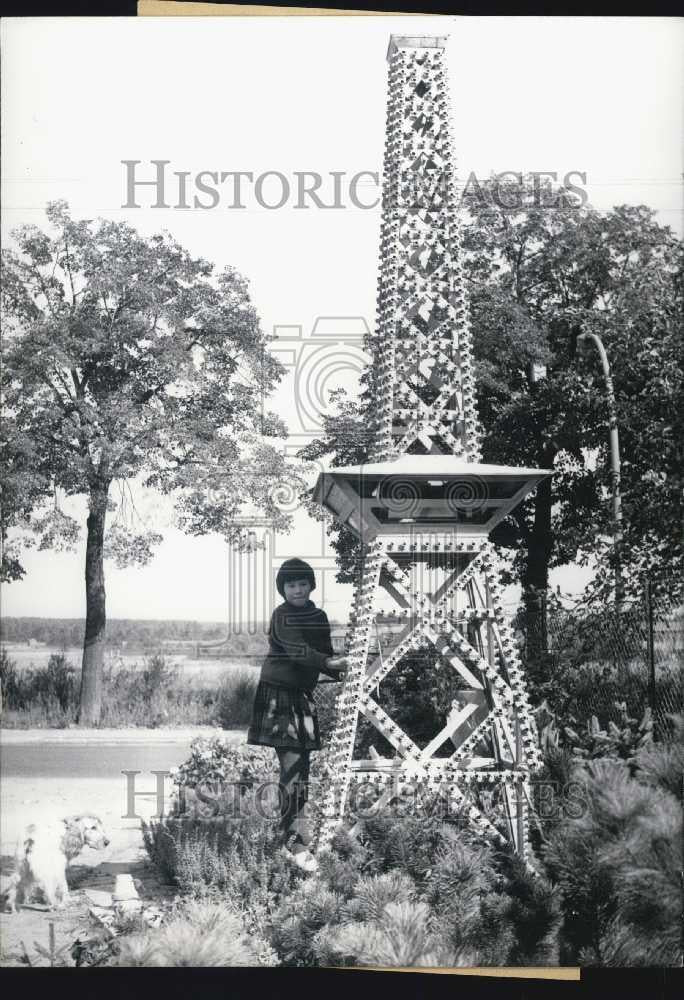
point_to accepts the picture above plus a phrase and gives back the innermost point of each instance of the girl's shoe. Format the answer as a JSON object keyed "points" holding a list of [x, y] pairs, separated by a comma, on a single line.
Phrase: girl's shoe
{"points": [[303, 859]]}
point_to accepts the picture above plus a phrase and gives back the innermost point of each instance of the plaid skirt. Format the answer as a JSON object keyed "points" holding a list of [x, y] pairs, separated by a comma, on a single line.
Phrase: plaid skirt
{"points": [[284, 717]]}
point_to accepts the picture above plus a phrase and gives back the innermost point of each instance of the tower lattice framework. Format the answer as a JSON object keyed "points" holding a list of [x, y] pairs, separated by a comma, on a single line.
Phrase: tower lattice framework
{"points": [[423, 506]]}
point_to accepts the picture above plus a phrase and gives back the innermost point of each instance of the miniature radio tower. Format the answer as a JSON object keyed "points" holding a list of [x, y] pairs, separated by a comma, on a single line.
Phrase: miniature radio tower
{"points": [[424, 505]]}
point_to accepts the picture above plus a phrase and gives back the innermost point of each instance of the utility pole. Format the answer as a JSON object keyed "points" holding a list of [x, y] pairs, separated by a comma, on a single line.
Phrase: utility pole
{"points": [[614, 465]]}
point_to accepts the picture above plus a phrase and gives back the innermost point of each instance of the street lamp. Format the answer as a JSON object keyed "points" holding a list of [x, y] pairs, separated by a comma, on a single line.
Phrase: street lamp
{"points": [[614, 463]]}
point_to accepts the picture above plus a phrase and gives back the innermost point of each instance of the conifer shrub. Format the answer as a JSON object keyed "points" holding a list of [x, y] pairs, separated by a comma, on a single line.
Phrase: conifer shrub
{"points": [[426, 889], [662, 764], [406, 842], [199, 934], [534, 913], [402, 934], [301, 914], [618, 868]]}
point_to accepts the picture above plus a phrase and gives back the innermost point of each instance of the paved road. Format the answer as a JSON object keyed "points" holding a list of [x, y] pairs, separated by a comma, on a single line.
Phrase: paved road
{"points": [[97, 753], [87, 760]]}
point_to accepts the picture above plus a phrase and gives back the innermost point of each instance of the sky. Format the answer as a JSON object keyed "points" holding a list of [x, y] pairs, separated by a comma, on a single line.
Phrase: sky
{"points": [[598, 96]]}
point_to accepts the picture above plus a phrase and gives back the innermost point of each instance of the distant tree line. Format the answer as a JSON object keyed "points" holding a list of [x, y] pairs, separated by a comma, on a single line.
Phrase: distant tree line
{"points": [[70, 631]]}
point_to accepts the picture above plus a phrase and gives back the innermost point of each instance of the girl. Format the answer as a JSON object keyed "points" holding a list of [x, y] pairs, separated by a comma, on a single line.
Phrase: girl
{"points": [[284, 714]]}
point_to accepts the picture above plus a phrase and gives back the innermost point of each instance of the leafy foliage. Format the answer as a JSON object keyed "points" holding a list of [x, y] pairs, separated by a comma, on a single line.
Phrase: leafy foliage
{"points": [[133, 357], [236, 697], [540, 271], [126, 357], [662, 764], [214, 760], [294, 924], [616, 741], [400, 935], [426, 890], [53, 689], [538, 275]]}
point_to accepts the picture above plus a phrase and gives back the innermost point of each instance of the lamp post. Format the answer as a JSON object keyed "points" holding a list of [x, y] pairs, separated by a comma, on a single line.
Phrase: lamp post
{"points": [[614, 463]]}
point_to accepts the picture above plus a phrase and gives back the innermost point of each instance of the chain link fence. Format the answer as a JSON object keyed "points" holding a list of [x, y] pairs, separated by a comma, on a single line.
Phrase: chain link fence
{"points": [[587, 662]]}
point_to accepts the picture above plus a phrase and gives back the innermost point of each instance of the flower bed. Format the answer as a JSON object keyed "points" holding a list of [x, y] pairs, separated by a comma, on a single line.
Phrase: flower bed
{"points": [[425, 890]]}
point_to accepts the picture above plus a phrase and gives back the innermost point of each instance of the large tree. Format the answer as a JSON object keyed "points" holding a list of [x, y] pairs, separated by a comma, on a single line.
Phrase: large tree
{"points": [[541, 272], [542, 268], [126, 359]]}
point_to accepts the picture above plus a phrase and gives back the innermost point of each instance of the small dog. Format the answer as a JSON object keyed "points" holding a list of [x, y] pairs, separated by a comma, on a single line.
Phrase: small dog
{"points": [[44, 852]]}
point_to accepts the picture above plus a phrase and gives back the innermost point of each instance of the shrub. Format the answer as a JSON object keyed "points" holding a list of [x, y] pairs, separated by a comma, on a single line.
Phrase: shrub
{"points": [[401, 934], [406, 842], [425, 889], [343, 865], [151, 695], [221, 838], [305, 928], [236, 857], [58, 681], [534, 914], [484, 903], [52, 690], [236, 697], [225, 854], [619, 741], [463, 888], [372, 894], [663, 764], [142, 696], [200, 934], [219, 762], [293, 925], [618, 866], [10, 684]]}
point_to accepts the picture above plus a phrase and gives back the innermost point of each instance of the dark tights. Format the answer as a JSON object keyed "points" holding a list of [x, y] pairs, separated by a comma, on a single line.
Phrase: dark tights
{"points": [[294, 792]]}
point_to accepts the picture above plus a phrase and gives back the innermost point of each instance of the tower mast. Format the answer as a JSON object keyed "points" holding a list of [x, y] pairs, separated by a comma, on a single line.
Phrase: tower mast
{"points": [[424, 505]]}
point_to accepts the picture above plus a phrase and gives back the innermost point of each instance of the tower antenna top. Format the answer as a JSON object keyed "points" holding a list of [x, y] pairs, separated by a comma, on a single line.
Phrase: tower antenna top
{"points": [[415, 42]]}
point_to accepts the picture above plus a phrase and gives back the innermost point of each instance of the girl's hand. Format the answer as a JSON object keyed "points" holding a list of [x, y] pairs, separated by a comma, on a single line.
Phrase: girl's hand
{"points": [[340, 664]]}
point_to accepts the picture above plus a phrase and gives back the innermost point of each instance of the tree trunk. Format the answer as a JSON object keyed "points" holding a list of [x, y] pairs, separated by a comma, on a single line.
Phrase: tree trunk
{"points": [[94, 643], [535, 578]]}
